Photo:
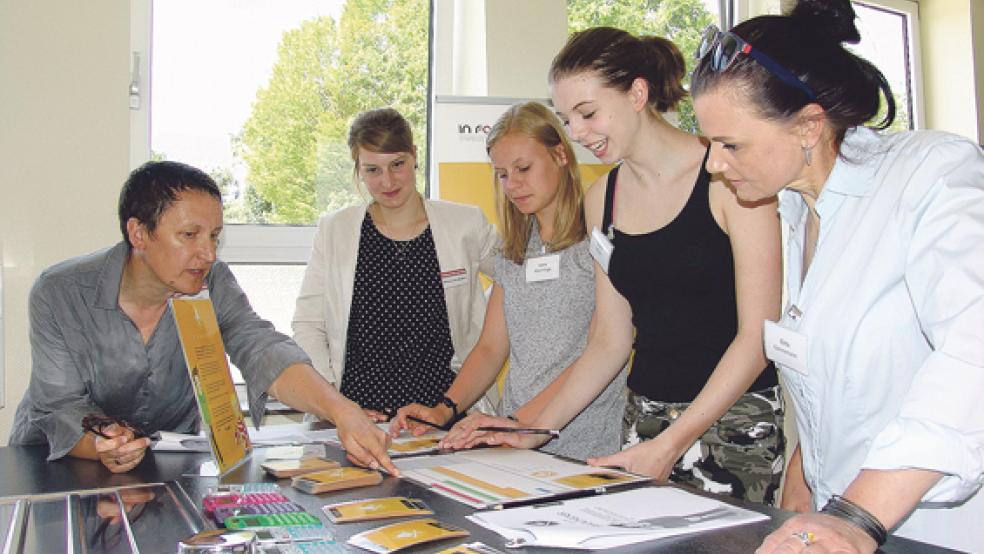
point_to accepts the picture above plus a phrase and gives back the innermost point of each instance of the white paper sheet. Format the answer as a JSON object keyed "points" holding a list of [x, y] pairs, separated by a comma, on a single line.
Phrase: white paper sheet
{"points": [[614, 519]]}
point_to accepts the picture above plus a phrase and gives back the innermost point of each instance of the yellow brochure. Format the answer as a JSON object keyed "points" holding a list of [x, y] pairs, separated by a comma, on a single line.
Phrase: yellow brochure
{"points": [[415, 445], [205, 356], [292, 468], [594, 479], [405, 534], [471, 548], [376, 508], [336, 479]]}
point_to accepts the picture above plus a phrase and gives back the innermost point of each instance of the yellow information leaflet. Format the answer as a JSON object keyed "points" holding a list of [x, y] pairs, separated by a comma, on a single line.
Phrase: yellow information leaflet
{"points": [[205, 356], [398, 536]]}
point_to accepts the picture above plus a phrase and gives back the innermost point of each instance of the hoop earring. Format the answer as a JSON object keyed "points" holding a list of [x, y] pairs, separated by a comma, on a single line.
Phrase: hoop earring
{"points": [[808, 154]]}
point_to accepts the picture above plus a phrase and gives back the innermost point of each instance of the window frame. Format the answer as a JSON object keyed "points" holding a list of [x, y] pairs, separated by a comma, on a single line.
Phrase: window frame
{"points": [[913, 53]]}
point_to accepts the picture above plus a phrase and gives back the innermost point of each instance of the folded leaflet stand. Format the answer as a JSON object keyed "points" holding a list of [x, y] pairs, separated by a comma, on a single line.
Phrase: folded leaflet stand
{"points": [[215, 394]]}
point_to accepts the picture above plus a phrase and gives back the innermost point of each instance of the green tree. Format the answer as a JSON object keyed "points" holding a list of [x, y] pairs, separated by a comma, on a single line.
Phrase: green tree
{"points": [[681, 21], [294, 142]]}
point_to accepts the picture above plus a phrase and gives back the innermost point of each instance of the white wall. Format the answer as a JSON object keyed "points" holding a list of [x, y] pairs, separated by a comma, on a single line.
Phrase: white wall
{"points": [[499, 48], [64, 143], [953, 92], [977, 37]]}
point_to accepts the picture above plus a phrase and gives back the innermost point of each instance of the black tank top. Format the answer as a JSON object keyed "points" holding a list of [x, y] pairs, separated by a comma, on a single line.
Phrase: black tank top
{"points": [[680, 282]]}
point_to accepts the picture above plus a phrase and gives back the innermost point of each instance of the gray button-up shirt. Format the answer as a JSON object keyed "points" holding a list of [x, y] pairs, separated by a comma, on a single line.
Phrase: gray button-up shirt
{"points": [[89, 357]]}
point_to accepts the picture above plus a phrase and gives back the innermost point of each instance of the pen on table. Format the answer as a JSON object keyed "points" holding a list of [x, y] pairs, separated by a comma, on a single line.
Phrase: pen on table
{"points": [[522, 431], [425, 422]]}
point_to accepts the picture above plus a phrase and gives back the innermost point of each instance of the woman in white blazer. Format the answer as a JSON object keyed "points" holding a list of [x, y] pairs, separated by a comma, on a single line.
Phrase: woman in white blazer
{"points": [[391, 301]]}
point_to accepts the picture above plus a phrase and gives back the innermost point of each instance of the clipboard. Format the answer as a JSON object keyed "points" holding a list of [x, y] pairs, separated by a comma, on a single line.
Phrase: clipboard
{"points": [[208, 368]]}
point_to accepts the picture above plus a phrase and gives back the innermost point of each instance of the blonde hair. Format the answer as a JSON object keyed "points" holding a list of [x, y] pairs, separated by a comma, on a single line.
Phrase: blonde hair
{"points": [[536, 121]]}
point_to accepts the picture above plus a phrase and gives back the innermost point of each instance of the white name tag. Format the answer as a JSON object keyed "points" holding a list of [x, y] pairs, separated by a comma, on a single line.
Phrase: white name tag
{"points": [[601, 249], [543, 268], [786, 347], [454, 278]]}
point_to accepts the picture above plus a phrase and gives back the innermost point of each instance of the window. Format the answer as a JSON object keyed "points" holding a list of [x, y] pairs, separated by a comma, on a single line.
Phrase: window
{"points": [[889, 39]]}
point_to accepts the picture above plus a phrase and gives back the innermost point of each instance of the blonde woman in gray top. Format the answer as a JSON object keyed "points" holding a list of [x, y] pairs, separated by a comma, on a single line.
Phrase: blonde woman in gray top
{"points": [[543, 275]]}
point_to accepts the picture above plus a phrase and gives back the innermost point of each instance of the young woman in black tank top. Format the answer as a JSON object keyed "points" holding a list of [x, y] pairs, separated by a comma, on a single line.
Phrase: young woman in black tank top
{"points": [[695, 275]]}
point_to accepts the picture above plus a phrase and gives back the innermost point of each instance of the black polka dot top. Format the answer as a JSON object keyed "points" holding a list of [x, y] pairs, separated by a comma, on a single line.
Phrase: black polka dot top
{"points": [[398, 346]]}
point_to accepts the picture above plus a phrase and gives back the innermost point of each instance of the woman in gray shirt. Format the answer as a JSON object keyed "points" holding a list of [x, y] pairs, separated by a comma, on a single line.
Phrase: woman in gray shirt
{"points": [[540, 311], [103, 342]]}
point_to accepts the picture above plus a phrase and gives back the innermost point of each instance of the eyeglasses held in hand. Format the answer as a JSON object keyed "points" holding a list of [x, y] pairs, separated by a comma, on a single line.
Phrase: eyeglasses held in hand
{"points": [[97, 423], [725, 47]]}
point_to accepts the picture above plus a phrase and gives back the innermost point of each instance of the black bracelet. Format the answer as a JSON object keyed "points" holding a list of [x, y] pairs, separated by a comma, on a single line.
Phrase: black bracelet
{"points": [[455, 416], [842, 508]]}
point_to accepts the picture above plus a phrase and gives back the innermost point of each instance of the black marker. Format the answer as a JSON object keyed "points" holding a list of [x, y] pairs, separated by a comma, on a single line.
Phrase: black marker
{"points": [[522, 431]]}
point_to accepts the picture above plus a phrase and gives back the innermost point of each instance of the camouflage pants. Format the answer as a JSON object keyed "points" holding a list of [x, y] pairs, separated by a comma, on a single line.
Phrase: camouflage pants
{"points": [[741, 455]]}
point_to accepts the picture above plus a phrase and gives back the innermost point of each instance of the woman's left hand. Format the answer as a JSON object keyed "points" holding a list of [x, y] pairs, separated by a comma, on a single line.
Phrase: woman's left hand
{"points": [[654, 458], [816, 532]]}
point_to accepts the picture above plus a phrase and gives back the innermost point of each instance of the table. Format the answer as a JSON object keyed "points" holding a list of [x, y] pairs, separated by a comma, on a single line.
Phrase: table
{"points": [[39, 512]]}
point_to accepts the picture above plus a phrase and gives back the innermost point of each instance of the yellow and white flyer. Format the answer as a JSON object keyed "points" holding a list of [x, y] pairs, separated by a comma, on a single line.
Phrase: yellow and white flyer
{"points": [[491, 477], [405, 534], [404, 445], [204, 352], [376, 508]]}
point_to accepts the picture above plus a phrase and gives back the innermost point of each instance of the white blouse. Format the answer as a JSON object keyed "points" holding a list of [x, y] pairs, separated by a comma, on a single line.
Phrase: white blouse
{"points": [[893, 311]]}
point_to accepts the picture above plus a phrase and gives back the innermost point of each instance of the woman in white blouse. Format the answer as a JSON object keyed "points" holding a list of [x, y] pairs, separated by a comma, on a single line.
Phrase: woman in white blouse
{"points": [[881, 345]]}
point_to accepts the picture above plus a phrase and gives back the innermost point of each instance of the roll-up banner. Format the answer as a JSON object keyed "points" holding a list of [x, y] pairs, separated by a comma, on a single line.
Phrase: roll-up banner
{"points": [[460, 167]]}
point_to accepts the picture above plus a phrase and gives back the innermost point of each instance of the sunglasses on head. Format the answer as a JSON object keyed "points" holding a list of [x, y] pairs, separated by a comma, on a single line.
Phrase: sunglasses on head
{"points": [[97, 423], [725, 47]]}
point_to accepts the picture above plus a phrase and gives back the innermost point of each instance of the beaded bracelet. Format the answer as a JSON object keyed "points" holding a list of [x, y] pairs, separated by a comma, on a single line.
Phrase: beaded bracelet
{"points": [[842, 508]]}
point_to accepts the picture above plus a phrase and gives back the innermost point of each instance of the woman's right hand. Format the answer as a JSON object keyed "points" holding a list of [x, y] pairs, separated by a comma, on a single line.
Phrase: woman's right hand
{"points": [[437, 415], [365, 444], [120, 452], [466, 434]]}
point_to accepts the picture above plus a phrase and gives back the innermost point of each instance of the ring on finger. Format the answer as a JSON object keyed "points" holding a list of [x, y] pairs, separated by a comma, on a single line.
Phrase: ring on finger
{"points": [[806, 537]]}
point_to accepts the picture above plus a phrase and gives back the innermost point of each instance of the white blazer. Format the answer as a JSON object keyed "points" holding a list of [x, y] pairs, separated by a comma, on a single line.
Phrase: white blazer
{"points": [[464, 240]]}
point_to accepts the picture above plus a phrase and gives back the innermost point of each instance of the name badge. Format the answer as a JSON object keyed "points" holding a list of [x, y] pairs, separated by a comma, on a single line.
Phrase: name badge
{"points": [[786, 347], [601, 249], [454, 278], [543, 268]]}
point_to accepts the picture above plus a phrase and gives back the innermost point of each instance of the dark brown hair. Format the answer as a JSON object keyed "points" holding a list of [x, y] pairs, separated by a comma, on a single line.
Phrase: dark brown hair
{"points": [[808, 42], [619, 57]]}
